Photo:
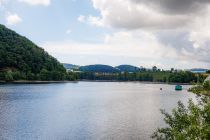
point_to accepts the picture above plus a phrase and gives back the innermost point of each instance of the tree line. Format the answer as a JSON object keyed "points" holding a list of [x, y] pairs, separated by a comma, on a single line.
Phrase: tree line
{"points": [[21, 59], [149, 76]]}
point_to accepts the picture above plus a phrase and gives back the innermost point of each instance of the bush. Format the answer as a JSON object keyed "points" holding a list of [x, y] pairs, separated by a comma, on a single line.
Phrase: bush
{"points": [[203, 89], [206, 86], [44, 75], [18, 75], [187, 123], [8, 76]]}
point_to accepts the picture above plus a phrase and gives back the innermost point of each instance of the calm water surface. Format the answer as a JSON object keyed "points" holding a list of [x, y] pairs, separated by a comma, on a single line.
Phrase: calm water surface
{"points": [[85, 110]]}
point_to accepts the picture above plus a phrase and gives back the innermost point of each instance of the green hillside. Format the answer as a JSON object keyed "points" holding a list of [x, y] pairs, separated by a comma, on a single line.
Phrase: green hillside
{"points": [[70, 66], [99, 68], [128, 68], [21, 59]]}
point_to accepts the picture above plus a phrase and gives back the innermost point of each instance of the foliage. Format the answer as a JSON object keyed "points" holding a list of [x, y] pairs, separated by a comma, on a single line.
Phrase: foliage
{"points": [[128, 68], [70, 66], [8, 76], [132, 73], [72, 76], [206, 86], [98, 68], [151, 76], [202, 89], [182, 77], [187, 123], [191, 122], [20, 59]]}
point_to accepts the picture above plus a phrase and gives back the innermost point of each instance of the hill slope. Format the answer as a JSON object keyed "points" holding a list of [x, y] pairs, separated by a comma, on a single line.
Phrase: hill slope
{"points": [[128, 68], [70, 66], [98, 68], [22, 59]]}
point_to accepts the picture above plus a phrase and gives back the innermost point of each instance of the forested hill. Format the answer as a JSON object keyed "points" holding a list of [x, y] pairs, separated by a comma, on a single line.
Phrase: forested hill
{"points": [[128, 68], [21, 59], [99, 68]]}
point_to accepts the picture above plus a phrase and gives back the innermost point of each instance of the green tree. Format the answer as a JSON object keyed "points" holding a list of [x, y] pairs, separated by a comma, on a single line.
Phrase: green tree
{"points": [[31, 76], [18, 75], [188, 123], [44, 75], [8, 76], [154, 68], [25, 58], [201, 89], [206, 86], [72, 76]]}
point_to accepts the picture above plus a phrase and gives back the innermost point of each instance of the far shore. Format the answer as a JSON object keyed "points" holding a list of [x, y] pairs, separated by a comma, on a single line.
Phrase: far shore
{"points": [[52, 82], [35, 82], [143, 82]]}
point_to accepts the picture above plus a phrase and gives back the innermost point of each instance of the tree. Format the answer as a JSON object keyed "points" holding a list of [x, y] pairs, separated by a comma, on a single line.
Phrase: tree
{"points": [[206, 86], [164, 79], [18, 76], [154, 68], [201, 89], [24, 58], [188, 123], [8, 76], [182, 77], [44, 75], [31, 76], [172, 69], [72, 76]]}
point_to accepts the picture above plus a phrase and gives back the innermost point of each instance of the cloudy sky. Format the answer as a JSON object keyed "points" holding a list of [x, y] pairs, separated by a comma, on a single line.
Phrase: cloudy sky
{"points": [[166, 33]]}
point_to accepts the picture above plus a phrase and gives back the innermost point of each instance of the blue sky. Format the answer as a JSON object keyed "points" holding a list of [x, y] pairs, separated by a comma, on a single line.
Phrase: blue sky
{"points": [[116, 32], [41, 23]]}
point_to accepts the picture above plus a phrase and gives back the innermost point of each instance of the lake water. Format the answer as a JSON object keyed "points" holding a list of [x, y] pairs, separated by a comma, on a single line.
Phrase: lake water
{"points": [[85, 110]]}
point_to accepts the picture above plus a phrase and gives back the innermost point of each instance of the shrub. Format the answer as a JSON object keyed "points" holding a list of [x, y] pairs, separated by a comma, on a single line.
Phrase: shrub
{"points": [[187, 123], [8, 76]]}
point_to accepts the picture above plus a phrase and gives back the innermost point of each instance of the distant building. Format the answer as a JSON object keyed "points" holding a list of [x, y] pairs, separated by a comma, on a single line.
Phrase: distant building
{"points": [[198, 70]]}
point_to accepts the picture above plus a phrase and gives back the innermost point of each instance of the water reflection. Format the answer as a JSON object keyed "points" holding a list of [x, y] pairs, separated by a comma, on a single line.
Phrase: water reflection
{"points": [[86, 110]]}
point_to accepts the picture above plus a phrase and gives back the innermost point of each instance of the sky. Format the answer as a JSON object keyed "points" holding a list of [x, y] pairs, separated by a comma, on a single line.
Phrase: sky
{"points": [[165, 33]]}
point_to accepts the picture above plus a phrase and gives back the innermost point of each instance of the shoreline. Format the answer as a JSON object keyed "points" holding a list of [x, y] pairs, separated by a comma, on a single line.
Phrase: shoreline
{"points": [[57, 82], [143, 82], [35, 82]]}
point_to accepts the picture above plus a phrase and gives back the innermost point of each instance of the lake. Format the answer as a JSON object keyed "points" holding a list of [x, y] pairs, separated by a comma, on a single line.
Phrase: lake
{"points": [[85, 110]]}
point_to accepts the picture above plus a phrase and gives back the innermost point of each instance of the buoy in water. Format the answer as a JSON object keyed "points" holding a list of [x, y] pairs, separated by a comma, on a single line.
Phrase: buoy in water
{"points": [[178, 87]]}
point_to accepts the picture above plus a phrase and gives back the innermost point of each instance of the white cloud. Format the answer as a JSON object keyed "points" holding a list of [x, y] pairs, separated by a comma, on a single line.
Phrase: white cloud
{"points": [[36, 2], [131, 47], [188, 18], [12, 19], [199, 33], [94, 21], [130, 15], [152, 14], [143, 46], [81, 18]]}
